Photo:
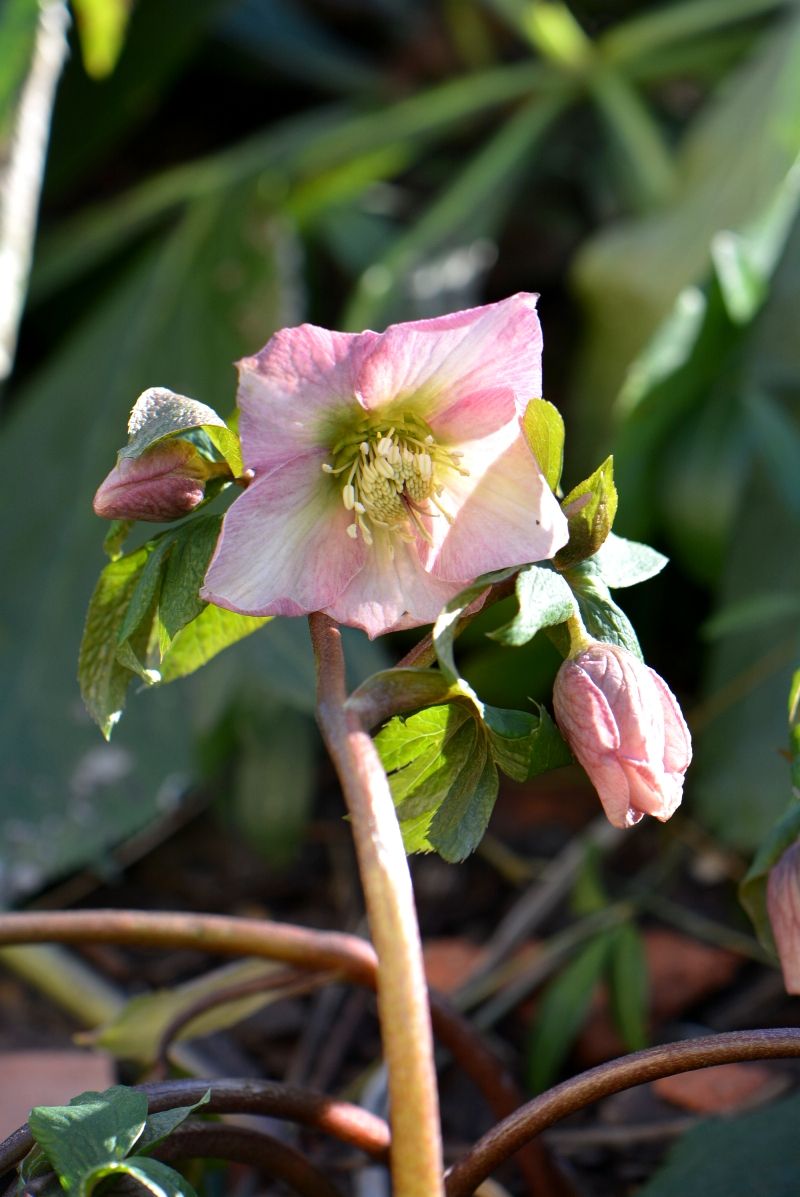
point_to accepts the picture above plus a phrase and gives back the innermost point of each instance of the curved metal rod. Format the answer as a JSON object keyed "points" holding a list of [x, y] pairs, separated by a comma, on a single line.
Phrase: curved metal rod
{"points": [[246, 1146], [349, 1123], [580, 1091], [288, 982]]}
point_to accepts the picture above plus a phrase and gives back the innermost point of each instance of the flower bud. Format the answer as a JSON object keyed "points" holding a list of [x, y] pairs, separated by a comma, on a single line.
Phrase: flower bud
{"points": [[783, 907], [625, 727], [164, 483]]}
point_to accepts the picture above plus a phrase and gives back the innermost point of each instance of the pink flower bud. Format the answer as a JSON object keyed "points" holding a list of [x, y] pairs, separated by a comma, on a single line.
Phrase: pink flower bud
{"points": [[166, 482], [783, 907], [625, 727]]}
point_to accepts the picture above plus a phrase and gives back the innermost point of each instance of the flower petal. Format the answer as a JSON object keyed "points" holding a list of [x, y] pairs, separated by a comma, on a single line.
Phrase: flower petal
{"points": [[284, 548], [450, 367], [293, 391], [392, 589], [504, 511]]}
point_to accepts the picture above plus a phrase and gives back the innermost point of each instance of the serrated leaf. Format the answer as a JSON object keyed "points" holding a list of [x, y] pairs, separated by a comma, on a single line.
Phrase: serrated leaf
{"points": [[426, 782], [622, 562], [590, 508], [159, 413], [152, 1175], [138, 621], [544, 599], [463, 816], [562, 1012], [103, 680], [524, 745], [135, 1033], [404, 738], [544, 431], [192, 546], [161, 1124], [628, 986], [753, 886], [95, 1129], [213, 630], [750, 1153]]}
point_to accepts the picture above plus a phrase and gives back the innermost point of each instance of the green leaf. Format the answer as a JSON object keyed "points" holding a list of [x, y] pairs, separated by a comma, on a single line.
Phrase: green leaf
{"points": [[524, 745], [152, 1175], [198, 642], [753, 886], [192, 546], [134, 633], [601, 616], [442, 776], [794, 731], [95, 1129], [103, 680], [543, 598], [628, 986], [159, 413], [135, 1033], [462, 818], [590, 509], [160, 1125], [544, 431], [623, 562], [750, 1153], [563, 1010]]}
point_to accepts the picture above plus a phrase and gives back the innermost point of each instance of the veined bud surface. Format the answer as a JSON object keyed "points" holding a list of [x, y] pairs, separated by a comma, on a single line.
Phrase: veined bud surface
{"points": [[624, 725], [164, 483], [783, 907]]}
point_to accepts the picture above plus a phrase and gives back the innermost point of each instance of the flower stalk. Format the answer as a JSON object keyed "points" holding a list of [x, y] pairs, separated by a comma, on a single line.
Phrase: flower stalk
{"points": [[416, 1153]]}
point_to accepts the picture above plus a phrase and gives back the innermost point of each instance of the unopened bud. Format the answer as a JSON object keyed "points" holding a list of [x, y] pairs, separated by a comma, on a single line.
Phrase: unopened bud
{"points": [[625, 727], [164, 483], [783, 907]]}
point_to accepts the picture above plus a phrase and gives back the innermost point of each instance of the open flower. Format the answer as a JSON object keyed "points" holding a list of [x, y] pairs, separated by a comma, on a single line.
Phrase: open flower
{"points": [[624, 725], [783, 907], [390, 469]]}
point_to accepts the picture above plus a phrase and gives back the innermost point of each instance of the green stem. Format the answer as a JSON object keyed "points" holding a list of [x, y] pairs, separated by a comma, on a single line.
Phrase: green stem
{"points": [[416, 1154]]}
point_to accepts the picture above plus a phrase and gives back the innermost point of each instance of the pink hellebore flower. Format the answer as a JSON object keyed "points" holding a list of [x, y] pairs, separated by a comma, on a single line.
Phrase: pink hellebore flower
{"points": [[164, 483], [390, 469], [783, 907], [625, 727]]}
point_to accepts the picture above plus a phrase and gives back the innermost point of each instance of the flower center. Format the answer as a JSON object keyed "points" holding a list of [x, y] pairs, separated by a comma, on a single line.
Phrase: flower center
{"points": [[392, 475]]}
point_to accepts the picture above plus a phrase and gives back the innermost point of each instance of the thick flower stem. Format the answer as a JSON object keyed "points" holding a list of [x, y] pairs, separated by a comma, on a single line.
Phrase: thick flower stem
{"points": [[416, 1153]]}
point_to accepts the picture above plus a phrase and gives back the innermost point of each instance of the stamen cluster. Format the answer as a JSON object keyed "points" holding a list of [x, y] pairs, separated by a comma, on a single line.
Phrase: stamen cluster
{"points": [[392, 475]]}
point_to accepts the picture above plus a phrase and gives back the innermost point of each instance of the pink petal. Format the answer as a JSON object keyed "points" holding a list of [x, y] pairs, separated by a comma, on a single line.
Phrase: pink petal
{"points": [[449, 368], [677, 740], [391, 591], [284, 548], [294, 391], [504, 511]]}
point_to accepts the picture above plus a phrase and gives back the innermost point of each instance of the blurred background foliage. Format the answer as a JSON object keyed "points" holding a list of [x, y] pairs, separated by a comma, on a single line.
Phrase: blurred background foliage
{"points": [[220, 168]]}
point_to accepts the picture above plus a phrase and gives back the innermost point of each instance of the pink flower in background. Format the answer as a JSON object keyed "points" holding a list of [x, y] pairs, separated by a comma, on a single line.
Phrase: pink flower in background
{"points": [[164, 483], [390, 469], [625, 727], [783, 907]]}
